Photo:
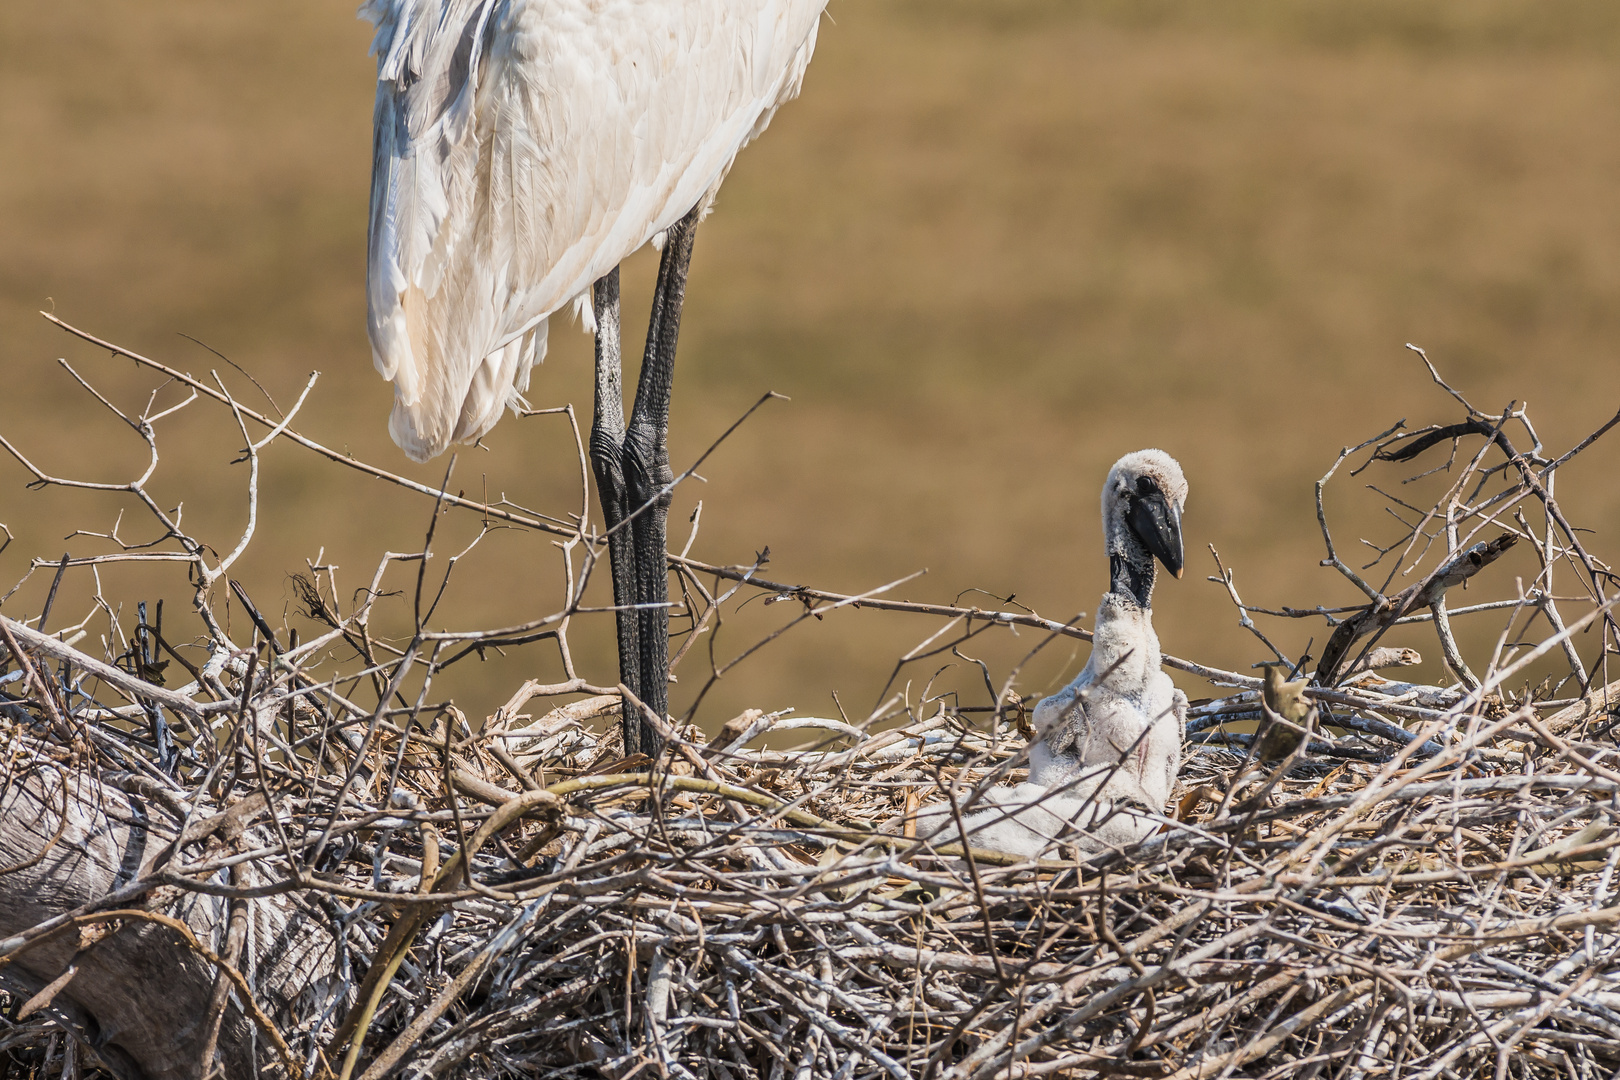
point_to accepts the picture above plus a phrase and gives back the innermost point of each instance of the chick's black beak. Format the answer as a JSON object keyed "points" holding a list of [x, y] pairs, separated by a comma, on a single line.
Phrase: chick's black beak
{"points": [[1157, 523]]}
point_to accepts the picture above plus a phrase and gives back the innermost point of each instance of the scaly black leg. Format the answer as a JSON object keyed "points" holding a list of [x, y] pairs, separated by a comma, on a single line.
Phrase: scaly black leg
{"points": [[607, 462], [647, 472]]}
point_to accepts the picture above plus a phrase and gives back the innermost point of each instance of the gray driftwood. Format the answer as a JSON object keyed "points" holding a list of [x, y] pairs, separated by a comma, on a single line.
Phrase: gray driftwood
{"points": [[139, 995]]}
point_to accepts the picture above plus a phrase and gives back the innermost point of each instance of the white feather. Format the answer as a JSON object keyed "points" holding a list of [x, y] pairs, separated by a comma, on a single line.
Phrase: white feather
{"points": [[1092, 813], [523, 149]]}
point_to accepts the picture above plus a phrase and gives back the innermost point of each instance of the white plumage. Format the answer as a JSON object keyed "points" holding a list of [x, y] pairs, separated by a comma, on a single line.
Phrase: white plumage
{"points": [[1108, 745], [523, 149]]}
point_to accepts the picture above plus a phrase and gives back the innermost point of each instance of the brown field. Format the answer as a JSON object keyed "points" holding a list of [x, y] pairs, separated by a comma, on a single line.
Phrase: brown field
{"points": [[994, 246]]}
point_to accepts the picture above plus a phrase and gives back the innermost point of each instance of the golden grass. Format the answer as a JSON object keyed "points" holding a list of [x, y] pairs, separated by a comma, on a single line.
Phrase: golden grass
{"points": [[996, 245]]}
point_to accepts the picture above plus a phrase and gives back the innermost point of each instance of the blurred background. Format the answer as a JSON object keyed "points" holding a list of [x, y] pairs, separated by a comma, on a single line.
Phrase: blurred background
{"points": [[994, 246]]}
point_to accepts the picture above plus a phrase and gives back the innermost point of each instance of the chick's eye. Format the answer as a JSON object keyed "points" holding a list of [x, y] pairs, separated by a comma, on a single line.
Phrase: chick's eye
{"points": [[1146, 486]]}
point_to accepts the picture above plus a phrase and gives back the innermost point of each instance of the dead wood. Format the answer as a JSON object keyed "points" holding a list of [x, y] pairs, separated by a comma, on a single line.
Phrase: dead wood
{"points": [[1383, 613], [300, 862]]}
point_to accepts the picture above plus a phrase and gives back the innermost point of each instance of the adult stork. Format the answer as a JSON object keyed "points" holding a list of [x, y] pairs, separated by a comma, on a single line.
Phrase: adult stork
{"points": [[523, 149]]}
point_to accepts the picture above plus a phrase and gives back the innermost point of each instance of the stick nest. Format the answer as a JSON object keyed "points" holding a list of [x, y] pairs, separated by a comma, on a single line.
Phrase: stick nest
{"points": [[1422, 884]]}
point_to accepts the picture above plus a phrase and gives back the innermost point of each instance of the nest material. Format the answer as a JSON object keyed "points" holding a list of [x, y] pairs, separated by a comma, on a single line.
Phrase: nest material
{"points": [[1423, 885], [762, 913], [1430, 918]]}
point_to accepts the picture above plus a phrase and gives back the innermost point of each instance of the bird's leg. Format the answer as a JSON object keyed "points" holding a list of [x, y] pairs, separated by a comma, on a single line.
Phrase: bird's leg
{"points": [[607, 462], [647, 472]]}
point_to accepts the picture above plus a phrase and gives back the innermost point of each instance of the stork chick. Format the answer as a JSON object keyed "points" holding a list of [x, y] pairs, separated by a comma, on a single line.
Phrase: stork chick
{"points": [[1108, 746]]}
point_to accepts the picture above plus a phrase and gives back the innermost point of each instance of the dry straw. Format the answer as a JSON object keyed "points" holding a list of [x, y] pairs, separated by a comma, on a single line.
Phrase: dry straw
{"points": [[331, 875]]}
